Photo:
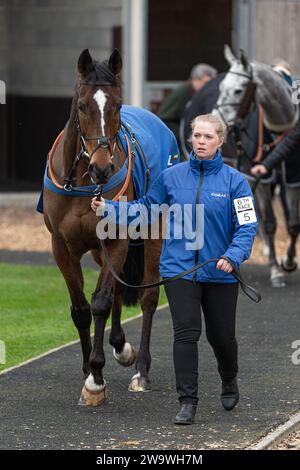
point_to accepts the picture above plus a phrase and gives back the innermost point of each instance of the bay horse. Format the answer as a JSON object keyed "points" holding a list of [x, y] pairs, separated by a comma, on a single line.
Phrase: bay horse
{"points": [[89, 149]]}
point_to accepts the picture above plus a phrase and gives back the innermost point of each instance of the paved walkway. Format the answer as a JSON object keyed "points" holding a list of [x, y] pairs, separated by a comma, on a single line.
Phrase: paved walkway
{"points": [[38, 402], [39, 258]]}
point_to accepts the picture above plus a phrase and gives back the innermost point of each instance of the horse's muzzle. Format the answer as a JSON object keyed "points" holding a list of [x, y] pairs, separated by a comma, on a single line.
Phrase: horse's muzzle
{"points": [[100, 175]]}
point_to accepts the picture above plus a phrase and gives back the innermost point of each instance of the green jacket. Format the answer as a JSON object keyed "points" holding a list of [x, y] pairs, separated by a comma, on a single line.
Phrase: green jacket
{"points": [[172, 107]]}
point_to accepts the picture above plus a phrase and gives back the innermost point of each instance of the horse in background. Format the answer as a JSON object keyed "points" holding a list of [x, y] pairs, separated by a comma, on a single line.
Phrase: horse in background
{"points": [[272, 94], [98, 146], [236, 97]]}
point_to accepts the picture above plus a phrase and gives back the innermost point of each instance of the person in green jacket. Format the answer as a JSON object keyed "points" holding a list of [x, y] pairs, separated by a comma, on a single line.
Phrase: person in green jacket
{"points": [[172, 108]]}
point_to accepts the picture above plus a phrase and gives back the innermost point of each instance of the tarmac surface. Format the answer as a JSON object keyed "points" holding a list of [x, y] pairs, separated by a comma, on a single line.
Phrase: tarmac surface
{"points": [[38, 401], [39, 258]]}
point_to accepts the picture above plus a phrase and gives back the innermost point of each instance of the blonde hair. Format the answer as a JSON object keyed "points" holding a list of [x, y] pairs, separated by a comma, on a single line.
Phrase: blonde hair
{"points": [[219, 125]]}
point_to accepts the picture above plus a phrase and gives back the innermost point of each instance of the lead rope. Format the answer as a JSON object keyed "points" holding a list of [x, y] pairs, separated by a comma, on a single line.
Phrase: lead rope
{"points": [[250, 292]]}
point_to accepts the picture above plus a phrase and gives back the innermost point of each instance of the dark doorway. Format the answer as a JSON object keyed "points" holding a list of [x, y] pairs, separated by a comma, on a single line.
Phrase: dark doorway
{"points": [[182, 33]]}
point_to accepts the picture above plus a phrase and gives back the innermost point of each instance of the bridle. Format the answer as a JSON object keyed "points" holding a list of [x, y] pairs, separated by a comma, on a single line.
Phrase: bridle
{"points": [[104, 142], [245, 104], [243, 108]]}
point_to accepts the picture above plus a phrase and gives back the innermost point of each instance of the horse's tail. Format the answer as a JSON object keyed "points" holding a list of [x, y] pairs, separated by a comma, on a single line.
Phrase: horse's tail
{"points": [[133, 272]]}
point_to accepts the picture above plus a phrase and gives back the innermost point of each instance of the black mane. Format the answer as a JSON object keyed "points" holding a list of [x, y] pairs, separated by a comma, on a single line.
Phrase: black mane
{"points": [[102, 73]]}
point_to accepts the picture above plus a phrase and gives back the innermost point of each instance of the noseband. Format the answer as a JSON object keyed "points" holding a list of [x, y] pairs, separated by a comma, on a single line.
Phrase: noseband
{"points": [[103, 142]]}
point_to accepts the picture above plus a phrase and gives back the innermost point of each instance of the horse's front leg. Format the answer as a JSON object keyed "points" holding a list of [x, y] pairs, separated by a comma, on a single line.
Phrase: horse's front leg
{"points": [[268, 225], [94, 391], [70, 267], [140, 382], [123, 352], [289, 264]]}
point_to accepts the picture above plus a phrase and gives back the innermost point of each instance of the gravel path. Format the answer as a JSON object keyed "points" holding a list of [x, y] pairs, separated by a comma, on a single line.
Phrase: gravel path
{"points": [[23, 229], [292, 442]]}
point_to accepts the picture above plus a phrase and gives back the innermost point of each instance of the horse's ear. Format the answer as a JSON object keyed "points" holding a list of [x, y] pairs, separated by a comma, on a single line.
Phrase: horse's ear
{"points": [[228, 54], [85, 62], [115, 62], [244, 59]]}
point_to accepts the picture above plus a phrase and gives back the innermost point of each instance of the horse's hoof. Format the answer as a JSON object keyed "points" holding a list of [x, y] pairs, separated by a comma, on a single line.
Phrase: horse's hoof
{"points": [[139, 384], [278, 282], [127, 357], [93, 394], [289, 266], [92, 398]]}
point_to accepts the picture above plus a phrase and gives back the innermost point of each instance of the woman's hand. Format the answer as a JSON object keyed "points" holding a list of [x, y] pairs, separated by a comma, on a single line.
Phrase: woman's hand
{"points": [[224, 266], [95, 203], [259, 170]]}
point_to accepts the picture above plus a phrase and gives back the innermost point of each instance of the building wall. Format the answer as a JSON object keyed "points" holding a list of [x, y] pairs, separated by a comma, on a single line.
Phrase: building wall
{"points": [[3, 39], [276, 31], [40, 42], [4, 78], [47, 36]]}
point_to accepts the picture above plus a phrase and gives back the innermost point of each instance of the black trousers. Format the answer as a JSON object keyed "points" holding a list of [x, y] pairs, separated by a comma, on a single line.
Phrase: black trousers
{"points": [[218, 302]]}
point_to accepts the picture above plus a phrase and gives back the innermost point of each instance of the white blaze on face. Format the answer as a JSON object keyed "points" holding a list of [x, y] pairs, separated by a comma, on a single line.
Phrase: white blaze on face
{"points": [[100, 99]]}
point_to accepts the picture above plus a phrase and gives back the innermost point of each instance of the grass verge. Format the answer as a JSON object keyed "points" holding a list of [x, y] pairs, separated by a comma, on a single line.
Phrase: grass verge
{"points": [[34, 310]]}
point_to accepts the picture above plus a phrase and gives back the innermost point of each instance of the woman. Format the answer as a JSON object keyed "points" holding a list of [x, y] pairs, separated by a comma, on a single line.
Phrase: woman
{"points": [[229, 226]]}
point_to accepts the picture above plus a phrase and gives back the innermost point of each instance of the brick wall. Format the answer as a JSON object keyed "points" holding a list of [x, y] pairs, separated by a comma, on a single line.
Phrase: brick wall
{"points": [[46, 38]]}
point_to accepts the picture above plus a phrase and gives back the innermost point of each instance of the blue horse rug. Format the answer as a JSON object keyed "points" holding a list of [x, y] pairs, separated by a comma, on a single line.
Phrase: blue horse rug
{"points": [[156, 149]]}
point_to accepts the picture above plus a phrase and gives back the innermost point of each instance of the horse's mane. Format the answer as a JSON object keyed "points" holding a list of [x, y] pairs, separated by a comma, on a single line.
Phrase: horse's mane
{"points": [[274, 78], [102, 73]]}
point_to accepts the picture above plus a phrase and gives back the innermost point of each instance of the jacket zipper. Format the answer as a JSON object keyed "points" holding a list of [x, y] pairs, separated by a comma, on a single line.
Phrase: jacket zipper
{"points": [[197, 202]]}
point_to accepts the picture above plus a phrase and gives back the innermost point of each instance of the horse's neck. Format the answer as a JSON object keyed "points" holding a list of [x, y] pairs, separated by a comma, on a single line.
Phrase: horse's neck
{"points": [[71, 148], [275, 98], [71, 140]]}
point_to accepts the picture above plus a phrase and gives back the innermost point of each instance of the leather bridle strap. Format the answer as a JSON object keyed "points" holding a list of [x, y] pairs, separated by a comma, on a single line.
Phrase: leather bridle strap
{"points": [[248, 97], [261, 145], [131, 154]]}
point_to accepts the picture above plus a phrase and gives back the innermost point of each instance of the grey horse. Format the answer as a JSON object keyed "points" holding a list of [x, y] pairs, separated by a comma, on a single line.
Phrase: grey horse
{"points": [[274, 95]]}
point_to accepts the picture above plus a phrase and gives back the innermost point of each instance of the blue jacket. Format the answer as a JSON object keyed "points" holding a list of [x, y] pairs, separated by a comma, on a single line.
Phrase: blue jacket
{"points": [[214, 185]]}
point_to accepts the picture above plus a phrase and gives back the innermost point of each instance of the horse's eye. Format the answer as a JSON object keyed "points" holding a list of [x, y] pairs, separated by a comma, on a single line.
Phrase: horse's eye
{"points": [[237, 92], [82, 107], [119, 106]]}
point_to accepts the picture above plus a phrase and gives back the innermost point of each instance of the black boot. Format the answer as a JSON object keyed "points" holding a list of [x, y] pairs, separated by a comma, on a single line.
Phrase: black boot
{"points": [[186, 414], [230, 394]]}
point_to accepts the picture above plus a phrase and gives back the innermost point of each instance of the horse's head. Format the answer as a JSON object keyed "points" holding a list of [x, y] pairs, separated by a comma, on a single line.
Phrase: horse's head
{"points": [[237, 90], [98, 112]]}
